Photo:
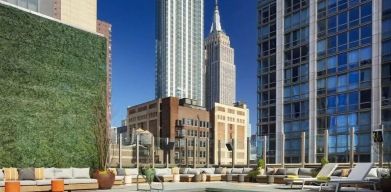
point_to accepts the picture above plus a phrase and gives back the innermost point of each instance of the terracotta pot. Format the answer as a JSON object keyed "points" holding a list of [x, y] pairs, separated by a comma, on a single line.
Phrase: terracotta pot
{"points": [[105, 179], [385, 184]]}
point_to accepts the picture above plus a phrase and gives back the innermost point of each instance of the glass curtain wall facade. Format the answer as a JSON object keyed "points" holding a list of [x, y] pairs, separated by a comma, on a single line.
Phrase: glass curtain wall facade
{"points": [[330, 76], [267, 75], [180, 50]]}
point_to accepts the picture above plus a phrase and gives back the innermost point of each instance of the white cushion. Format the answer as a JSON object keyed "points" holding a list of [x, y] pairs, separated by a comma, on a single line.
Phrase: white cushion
{"points": [[237, 170], [1, 175], [247, 170], [82, 181], [44, 182], [133, 171], [372, 173], [48, 173], [128, 179], [1, 183], [193, 171], [118, 178], [63, 173], [229, 170], [208, 170], [187, 175], [165, 171], [27, 182], [81, 173]]}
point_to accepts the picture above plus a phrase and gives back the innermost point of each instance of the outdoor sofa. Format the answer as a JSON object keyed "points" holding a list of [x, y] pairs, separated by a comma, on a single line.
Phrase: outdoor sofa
{"points": [[40, 179], [278, 175]]}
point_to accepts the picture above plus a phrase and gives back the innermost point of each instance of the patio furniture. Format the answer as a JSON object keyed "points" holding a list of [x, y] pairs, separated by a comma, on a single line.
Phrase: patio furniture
{"points": [[164, 174], [356, 176], [197, 178], [325, 172]]}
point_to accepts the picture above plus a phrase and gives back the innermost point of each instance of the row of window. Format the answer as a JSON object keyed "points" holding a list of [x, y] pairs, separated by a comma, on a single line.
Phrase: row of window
{"points": [[345, 20], [345, 61], [293, 5], [296, 37], [296, 20], [193, 122], [295, 92], [296, 110], [343, 41], [356, 120], [342, 103], [345, 82], [330, 7]]}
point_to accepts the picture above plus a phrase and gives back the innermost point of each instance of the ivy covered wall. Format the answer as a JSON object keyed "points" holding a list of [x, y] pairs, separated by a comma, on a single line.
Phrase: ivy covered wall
{"points": [[50, 77]]}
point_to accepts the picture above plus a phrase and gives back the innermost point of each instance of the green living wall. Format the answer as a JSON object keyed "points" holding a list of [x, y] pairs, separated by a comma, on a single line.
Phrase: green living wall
{"points": [[50, 77]]}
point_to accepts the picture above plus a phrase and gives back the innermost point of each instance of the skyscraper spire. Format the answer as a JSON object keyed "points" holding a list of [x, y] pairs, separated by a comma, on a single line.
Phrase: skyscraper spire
{"points": [[216, 25]]}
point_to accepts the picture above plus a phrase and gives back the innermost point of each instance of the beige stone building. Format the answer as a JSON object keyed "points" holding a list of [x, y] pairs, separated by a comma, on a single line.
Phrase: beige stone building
{"points": [[229, 123]]}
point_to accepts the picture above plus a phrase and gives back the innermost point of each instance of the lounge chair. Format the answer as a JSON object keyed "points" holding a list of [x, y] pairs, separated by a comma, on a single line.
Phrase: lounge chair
{"points": [[325, 172], [356, 176]]}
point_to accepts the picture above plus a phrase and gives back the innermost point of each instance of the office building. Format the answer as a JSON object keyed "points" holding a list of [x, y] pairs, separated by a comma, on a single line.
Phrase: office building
{"points": [[220, 68], [229, 127], [180, 51], [172, 120], [323, 65]]}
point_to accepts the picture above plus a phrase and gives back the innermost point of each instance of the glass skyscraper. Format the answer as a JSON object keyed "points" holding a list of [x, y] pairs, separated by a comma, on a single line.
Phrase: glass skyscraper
{"points": [[323, 66], [180, 51]]}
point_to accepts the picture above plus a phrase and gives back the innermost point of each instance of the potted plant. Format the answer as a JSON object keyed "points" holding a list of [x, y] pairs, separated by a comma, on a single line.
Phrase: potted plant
{"points": [[203, 176], [259, 170], [104, 176], [149, 173], [385, 181], [324, 161]]}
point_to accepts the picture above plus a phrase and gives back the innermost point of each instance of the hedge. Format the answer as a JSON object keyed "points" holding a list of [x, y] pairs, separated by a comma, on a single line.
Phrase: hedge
{"points": [[50, 77]]}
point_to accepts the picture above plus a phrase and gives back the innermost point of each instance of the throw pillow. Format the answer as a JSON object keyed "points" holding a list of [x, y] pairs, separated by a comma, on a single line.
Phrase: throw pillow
{"points": [[10, 174], [372, 173], [1, 175], [63, 173], [39, 173], [27, 174], [292, 171], [221, 170], [121, 172], [81, 173], [280, 171], [270, 171], [345, 172], [133, 171]]}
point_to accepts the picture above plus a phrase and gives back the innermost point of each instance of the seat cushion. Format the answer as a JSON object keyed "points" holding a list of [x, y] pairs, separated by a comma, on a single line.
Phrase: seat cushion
{"points": [[187, 175], [132, 171], [1, 183], [44, 182], [28, 182], [165, 171], [237, 170], [63, 173], [207, 170], [270, 171], [27, 174], [247, 170], [118, 178], [221, 170], [82, 181], [193, 171], [81, 173], [229, 170], [292, 171]]}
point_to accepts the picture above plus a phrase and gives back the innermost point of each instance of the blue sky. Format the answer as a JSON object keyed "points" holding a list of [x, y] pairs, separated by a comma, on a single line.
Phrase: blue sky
{"points": [[133, 49]]}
